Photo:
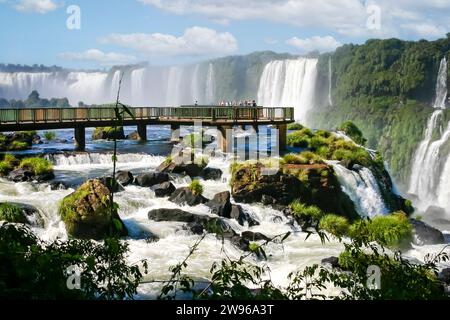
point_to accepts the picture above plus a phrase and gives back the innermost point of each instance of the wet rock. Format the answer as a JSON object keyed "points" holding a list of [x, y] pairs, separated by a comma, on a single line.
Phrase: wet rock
{"points": [[164, 189], [171, 215], [444, 276], [124, 178], [424, 234], [189, 169], [254, 236], [112, 185], [184, 196], [242, 216], [211, 174], [20, 175], [268, 200], [87, 213], [21, 213], [347, 163], [151, 179], [58, 185], [332, 262], [221, 204]]}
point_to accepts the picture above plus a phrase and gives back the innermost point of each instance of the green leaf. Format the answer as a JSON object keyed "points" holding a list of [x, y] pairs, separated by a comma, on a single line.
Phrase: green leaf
{"points": [[117, 224]]}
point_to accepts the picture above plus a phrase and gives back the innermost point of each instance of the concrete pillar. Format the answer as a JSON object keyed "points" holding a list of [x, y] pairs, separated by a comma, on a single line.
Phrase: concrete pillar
{"points": [[282, 132], [80, 139], [142, 132], [175, 129], [225, 138]]}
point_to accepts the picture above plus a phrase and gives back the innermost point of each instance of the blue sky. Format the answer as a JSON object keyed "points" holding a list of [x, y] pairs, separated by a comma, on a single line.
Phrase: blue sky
{"points": [[117, 32]]}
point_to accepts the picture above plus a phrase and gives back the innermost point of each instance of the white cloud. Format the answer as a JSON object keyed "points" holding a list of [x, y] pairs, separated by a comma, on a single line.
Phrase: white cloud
{"points": [[425, 29], [345, 17], [36, 6], [96, 55], [322, 44], [195, 41]]}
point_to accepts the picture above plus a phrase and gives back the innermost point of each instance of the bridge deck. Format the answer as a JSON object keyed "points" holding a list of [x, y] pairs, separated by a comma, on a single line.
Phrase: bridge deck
{"points": [[60, 118]]}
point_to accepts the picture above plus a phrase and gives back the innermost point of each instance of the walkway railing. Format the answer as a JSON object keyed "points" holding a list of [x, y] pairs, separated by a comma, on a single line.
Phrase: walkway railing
{"points": [[106, 113]]}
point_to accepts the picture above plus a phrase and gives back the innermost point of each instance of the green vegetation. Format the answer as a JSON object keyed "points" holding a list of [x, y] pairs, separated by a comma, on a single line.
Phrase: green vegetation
{"points": [[108, 133], [336, 225], [7, 164], [305, 157], [196, 187], [12, 213], [300, 138], [303, 211], [50, 135], [350, 129], [39, 166], [294, 126]]}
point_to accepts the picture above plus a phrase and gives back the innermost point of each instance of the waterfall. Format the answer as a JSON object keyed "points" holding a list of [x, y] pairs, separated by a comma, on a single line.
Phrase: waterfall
{"points": [[362, 188], [289, 83], [330, 100], [430, 179], [78, 159], [142, 86]]}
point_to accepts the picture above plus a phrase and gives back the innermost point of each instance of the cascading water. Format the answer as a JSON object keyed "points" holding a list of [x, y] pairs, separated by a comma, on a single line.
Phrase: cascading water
{"points": [[289, 83], [362, 188], [330, 75], [430, 180], [144, 86]]}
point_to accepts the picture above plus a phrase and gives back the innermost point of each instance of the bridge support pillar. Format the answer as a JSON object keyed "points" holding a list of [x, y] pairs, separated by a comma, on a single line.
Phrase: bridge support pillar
{"points": [[282, 132], [225, 138], [80, 139], [142, 132], [175, 130]]}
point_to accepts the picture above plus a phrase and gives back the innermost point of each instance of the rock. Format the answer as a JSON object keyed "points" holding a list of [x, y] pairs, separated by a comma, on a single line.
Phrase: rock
{"points": [[58, 185], [241, 243], [254, 236], [109, 183], [221, 204], [332, 262], [164, 189], [172, 215], [241, 216], [347, 163], [108, 133], [189, 169], [151, 179], [124, 178], [44, 177], [444, 276], [268, 200], [133, 136], [87, 213], [357, 167], [28, 214], [184, 196], [423, 234], [20, 175], [211, 174], [36, 139]]}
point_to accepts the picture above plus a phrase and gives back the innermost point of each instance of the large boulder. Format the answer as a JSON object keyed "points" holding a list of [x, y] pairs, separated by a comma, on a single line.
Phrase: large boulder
{"points": [[177, 215], [113, 186], [164, 189], [124, 178], [21, 213], [184, 196], [133, 136], [20, 175], [221, 204], [424, 234], [108, 133], [211, 174], [189, 169], [151, 179], [88, 213], [254, 236]]}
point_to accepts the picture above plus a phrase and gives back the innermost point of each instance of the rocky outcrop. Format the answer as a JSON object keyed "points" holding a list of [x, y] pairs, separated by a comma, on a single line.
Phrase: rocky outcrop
{"points": [[87, 213], [17, 141], [151, 179], [221, 204], [133, 136], [423, 234], [254, 236], [184, 196], [108, 133], [332, 262], [211, 174], [318, 186], [189, 169], [27, 174], [113, 186], [164, 189], [124, 178], [21, 213]]}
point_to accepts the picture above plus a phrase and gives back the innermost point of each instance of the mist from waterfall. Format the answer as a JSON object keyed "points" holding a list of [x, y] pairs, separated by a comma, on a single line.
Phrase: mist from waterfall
{"points": [[289, 83], [430, 176], [330, 75], [142, 86]]}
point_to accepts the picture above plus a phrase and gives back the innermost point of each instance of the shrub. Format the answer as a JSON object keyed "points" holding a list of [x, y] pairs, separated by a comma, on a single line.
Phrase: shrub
{"points": [[302, 211], [392, 230], [291, 158], [50, 135], [39, 166], [336, 225], [308, 157], [295, 126], [18, 146], [300, 138], [5, 168], [350, 129], [11, 213], [196, 187]]}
